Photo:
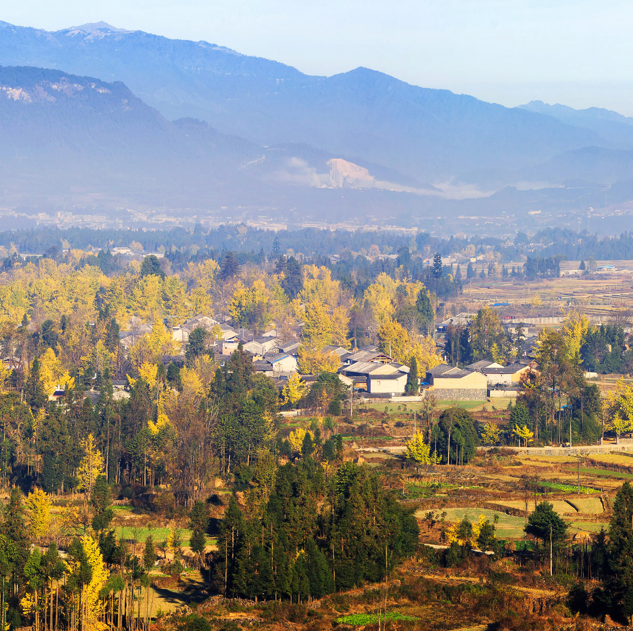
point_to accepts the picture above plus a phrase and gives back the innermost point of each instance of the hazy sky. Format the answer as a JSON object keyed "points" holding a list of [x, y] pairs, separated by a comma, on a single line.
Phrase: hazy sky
{"points": [[508, 51]]}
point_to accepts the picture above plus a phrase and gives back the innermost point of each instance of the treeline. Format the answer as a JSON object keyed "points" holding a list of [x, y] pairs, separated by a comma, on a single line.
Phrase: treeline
{"points": [[312, 242]]}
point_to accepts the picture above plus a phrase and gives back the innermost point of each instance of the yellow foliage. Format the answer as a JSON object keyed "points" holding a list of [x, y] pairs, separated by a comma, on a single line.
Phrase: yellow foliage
{"points": [[315, 362], [5, 373], [425, 351], [394, 340], [574, 330], [318, 286], [38, 506], [93, 605], [294, 390], [536, 301], [191, 385], [620, 407], [297, 437], [52, 373], [491, 434], [70, 520], [523, 433], [420, 452], [150, 348], [91, 465], [453, 533], [28, 603], [378, 299], [149, 374]]}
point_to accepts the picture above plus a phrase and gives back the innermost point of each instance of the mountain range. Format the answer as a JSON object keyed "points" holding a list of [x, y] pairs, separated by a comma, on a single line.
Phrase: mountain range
{"points": [[127, 115]]}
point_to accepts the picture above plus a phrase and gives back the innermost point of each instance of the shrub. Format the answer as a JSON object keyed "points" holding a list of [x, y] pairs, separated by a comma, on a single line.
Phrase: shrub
{"points": [[195, 623]]}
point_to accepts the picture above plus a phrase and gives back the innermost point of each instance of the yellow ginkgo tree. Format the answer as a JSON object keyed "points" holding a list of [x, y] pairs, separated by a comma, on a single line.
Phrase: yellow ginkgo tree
{"points": [[38, 506], [490, 434], [91, 465], [294, 390], [420, 452], [523, 433], [620, 408], [53, 374]]}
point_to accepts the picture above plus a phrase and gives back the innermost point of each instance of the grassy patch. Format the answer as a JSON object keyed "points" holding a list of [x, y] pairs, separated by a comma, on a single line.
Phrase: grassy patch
{"points": [[607, 473], [130, 533], [559, 506], [566, 488], [362, 619], [508, 526]]}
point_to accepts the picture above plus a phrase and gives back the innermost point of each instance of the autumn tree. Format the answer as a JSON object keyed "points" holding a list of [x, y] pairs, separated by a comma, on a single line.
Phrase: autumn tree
{"points": [[38, 509], [90, 467]]}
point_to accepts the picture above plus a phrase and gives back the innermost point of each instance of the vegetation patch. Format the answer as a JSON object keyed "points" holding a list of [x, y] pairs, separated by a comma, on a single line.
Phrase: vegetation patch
{"points": [[606, 473], [361, 619], [566, 488]]}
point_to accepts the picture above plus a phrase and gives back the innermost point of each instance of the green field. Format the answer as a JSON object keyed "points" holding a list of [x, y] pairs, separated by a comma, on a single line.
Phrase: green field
{"points": [[130, 533], [508, 526], [362, 619], [395, 408], [607, 473]]}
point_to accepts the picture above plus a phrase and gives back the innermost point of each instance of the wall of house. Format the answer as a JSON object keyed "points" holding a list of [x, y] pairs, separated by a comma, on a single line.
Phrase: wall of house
{"points": [[474, 380], [461, 394], [493, 380], [386, 386], [516, 377], [287, 364]]}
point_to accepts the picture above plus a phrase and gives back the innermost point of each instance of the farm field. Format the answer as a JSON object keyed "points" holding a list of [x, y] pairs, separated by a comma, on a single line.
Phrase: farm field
{"points": [[508, 526], [560, 506]]}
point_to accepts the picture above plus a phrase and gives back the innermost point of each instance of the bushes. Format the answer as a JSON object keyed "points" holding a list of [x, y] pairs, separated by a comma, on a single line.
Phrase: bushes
{"points": [[195, 623]]}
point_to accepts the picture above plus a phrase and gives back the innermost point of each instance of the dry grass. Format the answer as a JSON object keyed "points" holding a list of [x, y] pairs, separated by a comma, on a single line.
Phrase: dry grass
{"points": [[588, 505], [626, 461], [541, 461], [560, 506]]}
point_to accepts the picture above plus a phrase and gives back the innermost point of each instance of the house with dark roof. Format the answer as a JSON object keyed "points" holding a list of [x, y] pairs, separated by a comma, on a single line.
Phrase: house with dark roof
{"points": [[377, 377], [506, 374], [261, 345], [483, 363], [369, 355], [276, 364], [449, 383]]}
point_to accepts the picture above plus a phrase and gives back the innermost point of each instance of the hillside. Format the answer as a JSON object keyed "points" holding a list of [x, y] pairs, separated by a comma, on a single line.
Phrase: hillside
{"points": [[431, 135], [612, 126]]}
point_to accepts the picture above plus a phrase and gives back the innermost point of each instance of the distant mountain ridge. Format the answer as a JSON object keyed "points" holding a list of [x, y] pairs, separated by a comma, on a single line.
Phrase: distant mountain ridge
{"points": [[613, 127], [430, 135]]}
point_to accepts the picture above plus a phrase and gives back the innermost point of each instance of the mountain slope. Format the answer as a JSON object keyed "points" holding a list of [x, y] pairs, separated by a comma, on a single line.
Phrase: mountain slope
{"points": [[613, 127], [427, 134], [63, 132], [79, 139]]}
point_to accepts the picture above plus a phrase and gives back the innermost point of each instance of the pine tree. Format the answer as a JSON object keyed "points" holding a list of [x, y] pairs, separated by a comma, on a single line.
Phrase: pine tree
{"points": [[437, 266], [620, 580], [544, 523], [199, 521], [101, 499], [35, 394], [413, 381]]}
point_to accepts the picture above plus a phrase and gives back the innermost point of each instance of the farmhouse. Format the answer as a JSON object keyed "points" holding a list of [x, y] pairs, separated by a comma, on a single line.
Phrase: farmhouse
{"points": [[377, 377], [505, 374], [449, 383], [261, 345]]}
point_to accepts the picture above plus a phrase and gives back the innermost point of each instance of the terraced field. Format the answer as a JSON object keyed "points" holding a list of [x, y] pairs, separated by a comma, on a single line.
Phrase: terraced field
{"points": [[560, 506]]}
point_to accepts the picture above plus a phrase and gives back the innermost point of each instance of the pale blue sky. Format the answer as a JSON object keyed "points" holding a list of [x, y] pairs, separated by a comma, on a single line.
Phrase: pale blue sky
{"points": [[576, 52]]}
